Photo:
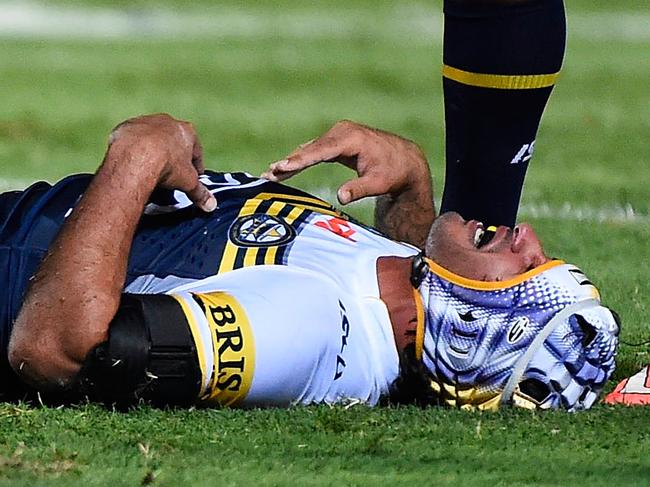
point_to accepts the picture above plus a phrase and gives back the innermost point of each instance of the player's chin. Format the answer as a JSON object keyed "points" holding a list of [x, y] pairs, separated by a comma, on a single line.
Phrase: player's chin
{"points": [[445, 223], [445, 227]]}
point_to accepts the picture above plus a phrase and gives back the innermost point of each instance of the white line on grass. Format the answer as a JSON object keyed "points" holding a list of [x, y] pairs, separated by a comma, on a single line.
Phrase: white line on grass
{"points": [[44, 21], [411, 24], [610, 26], [565, 212], [572, 212]]}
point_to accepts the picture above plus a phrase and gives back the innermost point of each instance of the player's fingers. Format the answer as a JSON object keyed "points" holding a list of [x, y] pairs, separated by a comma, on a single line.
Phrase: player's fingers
{"points": [[362, 187], [324, 149], [191, 139], [284, 169], [275, 173], [277, 177], [197, 156], [202, 198], [327, 148], [340, 143]]}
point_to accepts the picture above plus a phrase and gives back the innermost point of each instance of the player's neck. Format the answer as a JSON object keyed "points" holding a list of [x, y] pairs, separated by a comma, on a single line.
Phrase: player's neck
{"points": [[396, 291]]}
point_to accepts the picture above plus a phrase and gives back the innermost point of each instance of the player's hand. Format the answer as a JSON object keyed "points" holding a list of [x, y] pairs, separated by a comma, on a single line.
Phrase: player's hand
{"points": [[385, 163], [168, 146]]}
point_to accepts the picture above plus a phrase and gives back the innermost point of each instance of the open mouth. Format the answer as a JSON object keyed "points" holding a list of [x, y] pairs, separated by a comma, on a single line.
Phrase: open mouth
{"points": [[483, 236]]}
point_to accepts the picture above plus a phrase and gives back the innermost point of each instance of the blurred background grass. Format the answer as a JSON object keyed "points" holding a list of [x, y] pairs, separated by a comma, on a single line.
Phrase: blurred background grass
{"points": [[259, 78]]}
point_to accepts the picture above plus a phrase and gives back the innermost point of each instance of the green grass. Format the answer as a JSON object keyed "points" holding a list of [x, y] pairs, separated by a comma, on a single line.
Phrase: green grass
{"points": [[254, 98], [322, 446]]}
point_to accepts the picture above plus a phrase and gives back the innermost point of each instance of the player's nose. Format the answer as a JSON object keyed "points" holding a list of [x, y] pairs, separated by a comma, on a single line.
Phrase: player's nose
{"points": [[526, 241], [524, 238]]}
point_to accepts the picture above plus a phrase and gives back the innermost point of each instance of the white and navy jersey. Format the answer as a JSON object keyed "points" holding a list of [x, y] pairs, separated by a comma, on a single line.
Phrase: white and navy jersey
{"points": [[257, 223], [303, 251], [291, 313]]}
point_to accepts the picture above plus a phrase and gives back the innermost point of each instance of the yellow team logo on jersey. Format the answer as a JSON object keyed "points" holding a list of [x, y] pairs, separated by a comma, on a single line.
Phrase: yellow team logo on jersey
{"points": [[265, 225], [261, 230], [233, 349]]}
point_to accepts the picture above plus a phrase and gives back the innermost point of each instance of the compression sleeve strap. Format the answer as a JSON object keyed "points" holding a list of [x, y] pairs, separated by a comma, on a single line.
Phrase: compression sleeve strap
{"points": [[150, 356]]}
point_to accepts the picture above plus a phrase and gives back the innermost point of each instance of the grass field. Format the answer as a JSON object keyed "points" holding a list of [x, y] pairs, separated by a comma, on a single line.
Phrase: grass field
{"points": [[258, 78]]}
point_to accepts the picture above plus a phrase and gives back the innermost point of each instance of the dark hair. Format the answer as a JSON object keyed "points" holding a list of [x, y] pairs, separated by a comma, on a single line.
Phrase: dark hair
{"points": [[413, 385]]}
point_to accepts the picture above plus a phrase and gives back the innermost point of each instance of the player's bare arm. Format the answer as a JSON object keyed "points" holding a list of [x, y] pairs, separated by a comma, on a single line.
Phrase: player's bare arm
{"points": [[388, 166], [76, 291]]}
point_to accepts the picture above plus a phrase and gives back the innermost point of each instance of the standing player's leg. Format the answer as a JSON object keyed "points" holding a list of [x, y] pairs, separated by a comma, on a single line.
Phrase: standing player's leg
{"points": [[501, 59]]}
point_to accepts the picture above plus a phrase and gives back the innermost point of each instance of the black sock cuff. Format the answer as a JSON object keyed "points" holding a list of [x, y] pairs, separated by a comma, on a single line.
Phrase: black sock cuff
{"points": [[521, 39], [495, 8]]}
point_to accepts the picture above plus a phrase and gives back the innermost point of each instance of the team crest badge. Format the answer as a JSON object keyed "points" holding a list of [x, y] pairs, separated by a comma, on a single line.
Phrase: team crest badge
{"points": [[261, 230]]}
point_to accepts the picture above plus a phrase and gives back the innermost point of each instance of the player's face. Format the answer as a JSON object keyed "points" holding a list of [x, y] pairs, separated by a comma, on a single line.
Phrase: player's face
{"points": [[452, 244]]}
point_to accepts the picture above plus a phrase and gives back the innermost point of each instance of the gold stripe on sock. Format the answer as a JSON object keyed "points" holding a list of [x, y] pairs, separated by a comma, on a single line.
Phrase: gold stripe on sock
{"points": [[499, 81]]}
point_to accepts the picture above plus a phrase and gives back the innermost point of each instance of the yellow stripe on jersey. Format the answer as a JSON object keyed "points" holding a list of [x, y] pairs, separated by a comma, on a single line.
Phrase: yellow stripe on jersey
{"points": [[251, 256], [302, 200], [294, 214], [271, 253], [230, 252], [499, 81], [305, 202], [233, 347], [251, 253], [279, 202], [275, 209]]}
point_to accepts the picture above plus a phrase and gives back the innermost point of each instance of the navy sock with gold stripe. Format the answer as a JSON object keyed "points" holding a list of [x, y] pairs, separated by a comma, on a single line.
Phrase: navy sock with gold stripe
{"points": [[501, 60]]}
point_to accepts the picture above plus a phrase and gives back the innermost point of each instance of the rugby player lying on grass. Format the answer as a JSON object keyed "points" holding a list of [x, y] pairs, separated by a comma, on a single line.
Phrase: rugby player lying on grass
{"points": [[275, 298]]}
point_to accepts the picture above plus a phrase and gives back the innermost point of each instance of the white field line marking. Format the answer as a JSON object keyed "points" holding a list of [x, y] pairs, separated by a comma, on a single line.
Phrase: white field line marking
{"points": [[566, 212], [610, 26], [38, 20], [582, 213], [411, 24]]}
